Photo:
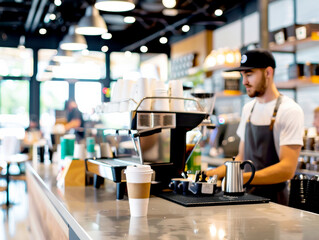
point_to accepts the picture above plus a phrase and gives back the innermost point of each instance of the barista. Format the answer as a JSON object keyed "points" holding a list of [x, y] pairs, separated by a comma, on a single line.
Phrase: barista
{"points": [[270, 129], [75, 120]]}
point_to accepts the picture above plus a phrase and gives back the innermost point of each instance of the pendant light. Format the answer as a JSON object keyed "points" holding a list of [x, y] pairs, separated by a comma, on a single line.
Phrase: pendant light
{"points": [[73, 41], [115, 5], [92, 23]]}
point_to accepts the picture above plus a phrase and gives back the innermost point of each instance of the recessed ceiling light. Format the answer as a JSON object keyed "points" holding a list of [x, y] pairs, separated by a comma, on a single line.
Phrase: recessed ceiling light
{"points": [[169, 3], [170, 12], [42, 31], [52, 16], [163, 40], [57, 2], [115, 5], [106, 36], [85, 52], [185, 28], [218, 12], [127, 54], [129, 19], [143, 49], [104, 48]]}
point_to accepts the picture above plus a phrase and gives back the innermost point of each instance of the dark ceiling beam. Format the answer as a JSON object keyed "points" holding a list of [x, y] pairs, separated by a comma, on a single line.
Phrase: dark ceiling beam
{"points": [[169, 28], [31, 15], [38, 15]]}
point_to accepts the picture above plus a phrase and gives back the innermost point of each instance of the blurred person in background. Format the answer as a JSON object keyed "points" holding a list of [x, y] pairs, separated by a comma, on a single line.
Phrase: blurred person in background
{"points": [[75, 120], [32, 135]]}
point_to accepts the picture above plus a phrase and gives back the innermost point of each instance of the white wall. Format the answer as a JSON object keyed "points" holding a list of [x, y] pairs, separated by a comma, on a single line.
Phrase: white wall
{"points": [[228, 36], [251, 28]]}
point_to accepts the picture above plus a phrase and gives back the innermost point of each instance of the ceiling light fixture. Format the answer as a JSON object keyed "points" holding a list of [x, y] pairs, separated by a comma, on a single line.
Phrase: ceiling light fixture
{"points": [[106, 36], [127, 54], [169, 3], [104, 48], [186, 28], [42, 31], [129, 19], [115, 5], [170, 12], [92, 23], [52, 16], [143, 49], [73, 41], [57, 2], [218, 12], [163, 40]]}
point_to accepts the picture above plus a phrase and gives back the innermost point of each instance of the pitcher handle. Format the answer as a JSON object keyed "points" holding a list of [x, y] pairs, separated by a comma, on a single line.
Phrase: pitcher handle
{"points": [[253, 170]]}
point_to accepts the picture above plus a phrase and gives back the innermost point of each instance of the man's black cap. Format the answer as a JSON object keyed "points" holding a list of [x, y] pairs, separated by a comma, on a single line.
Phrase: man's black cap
{"points": [[257, 58]]}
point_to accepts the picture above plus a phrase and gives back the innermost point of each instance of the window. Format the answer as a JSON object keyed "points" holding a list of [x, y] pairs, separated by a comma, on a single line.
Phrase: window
{"points": [[88, 95], [14, 107], [77, 65], [122, 63], [16, 62], [228, 36], [53, 95]]}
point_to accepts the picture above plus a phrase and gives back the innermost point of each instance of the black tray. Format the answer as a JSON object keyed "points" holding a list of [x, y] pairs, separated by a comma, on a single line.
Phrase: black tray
{"points": [[209, 200]]}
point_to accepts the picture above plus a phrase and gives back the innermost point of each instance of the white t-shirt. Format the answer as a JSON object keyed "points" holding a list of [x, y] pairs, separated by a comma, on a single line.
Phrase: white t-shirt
{"points": [[289, 124]]}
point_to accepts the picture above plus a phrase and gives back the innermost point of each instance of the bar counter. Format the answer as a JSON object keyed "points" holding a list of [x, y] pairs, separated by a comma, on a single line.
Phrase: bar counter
{"points": [[89, 213]]}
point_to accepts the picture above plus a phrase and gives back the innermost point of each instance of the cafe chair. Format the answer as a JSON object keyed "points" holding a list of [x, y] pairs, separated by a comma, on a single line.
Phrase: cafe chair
{"points": [[10, 154]]}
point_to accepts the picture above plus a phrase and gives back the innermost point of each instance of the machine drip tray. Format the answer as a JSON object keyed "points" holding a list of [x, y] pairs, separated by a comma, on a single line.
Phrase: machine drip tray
{"points": [[209, 200]]}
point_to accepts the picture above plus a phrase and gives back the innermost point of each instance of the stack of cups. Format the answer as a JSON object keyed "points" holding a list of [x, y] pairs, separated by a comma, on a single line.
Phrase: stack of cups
{"points": [[126, 94], [138, 179], [79, 151], [114, 97], [160, 91], [143, 90], [176, 90]]}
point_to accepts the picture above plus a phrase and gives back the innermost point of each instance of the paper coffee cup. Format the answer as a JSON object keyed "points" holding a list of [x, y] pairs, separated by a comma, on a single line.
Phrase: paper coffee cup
{"points": [[160, 104], [138, 180], [143, 90], [176, 90], [79, 151]]}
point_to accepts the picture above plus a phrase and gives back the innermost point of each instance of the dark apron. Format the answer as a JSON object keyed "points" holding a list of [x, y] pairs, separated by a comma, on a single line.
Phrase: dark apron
{"points": [[260, 148]]}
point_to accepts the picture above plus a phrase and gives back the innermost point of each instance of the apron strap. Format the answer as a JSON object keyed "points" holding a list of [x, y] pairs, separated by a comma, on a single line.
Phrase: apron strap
{"points": [[273, 118]]}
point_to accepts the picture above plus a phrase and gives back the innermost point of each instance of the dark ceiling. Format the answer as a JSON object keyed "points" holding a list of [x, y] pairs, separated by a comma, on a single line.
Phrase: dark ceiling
{"points": [[26, 17]]}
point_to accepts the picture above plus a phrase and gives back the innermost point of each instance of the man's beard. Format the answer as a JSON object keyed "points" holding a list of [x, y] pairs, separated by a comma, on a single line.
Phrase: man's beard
{"points": [[260, 88]]}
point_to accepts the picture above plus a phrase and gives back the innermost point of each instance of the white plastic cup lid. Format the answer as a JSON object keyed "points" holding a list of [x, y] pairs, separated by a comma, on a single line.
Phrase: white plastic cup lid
{"points": [[138, 169]]}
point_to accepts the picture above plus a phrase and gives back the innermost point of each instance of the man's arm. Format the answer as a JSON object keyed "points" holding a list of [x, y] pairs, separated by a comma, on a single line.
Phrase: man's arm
{"points": [[279, 172], [221, 170], [74, 123]]}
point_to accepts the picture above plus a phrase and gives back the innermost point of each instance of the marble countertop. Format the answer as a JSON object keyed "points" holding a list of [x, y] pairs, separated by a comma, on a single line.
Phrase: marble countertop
{"points": [[96, 214]]}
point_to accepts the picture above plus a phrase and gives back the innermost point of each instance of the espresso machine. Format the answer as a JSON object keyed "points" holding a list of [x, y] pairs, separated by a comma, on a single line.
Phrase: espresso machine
{"points": [[139, 126]]}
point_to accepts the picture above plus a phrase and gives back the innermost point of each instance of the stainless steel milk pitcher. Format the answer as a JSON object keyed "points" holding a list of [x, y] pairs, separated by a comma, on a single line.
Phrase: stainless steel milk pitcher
{"points": [[234, 177]]}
